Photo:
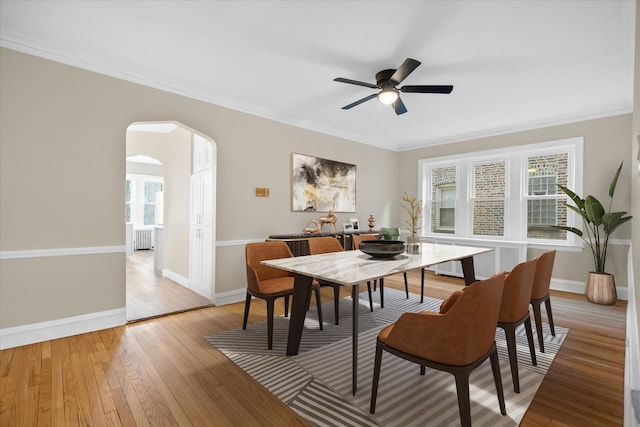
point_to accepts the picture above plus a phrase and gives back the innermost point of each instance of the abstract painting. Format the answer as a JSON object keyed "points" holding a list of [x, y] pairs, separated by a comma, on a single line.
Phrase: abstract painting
{"points": [[321, 185]]}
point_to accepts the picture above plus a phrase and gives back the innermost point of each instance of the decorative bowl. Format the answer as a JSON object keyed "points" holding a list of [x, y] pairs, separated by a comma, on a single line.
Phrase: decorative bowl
{"points": [[382, 248]]}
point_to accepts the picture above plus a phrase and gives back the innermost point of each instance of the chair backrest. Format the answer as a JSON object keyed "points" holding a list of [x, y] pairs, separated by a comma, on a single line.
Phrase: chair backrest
{"points": [[357, 238], [542, 279], [261, 251], [323, 245], [390, 233], [463, 334], [475, 313], [517, 292]]}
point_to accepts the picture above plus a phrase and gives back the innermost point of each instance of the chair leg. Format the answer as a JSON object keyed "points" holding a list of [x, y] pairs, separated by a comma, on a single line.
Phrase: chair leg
{"points": [[270, 323], [370, 296], [406, 284], [464, 402], [376, 378], [286, 306], [547, 304], [336, 303], [510, 333], [423, 370], [422, 286], [319, 306], [537, 317], [247, 304], [532, 348], [381, 292], [497, 379]]}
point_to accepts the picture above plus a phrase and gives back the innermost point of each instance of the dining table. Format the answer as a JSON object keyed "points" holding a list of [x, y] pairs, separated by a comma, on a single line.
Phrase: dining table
{"points": [[353, 267]]}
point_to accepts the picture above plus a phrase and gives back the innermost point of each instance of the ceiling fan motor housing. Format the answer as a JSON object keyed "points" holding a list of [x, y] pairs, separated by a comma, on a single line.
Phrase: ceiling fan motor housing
{"points": [[383, 79]]}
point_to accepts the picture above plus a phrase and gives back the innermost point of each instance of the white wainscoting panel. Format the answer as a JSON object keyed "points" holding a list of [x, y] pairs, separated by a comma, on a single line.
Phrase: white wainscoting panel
{"points": [[504, 257]]}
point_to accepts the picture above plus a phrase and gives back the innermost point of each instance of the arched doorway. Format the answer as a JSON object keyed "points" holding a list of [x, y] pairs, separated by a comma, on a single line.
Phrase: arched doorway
{"points": [[178, 272]]}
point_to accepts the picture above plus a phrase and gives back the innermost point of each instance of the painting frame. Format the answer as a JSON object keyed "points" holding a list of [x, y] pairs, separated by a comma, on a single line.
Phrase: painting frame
{"points": [[322, 185]]}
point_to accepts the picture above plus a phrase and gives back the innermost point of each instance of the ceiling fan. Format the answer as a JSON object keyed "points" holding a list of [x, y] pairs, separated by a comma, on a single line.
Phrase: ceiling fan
{"points": [[387, 80]]}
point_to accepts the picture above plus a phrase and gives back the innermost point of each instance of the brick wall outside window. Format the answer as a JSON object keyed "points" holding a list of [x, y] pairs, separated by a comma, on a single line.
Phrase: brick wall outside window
{"points": [[489, 192]]}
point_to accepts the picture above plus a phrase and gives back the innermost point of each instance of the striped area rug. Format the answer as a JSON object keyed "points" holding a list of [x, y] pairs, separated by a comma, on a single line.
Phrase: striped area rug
{"points": [[317, 382]]}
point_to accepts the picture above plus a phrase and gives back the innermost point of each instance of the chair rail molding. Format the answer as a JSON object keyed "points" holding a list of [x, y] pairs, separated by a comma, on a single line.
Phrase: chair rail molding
{"points": [[39, 253]]}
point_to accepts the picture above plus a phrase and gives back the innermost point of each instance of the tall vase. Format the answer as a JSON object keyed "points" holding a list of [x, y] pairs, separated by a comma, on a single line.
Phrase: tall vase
{"points": [[413, 244], [601, 288]]}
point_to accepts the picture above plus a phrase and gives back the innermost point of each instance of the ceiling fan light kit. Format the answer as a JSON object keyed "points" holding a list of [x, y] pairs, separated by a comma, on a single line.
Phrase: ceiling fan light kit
{"points": [[388, 97], [387, 80]]}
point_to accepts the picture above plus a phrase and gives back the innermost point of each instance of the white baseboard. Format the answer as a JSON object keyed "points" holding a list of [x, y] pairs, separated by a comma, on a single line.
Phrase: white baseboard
{"points": [[576, 287], [60, 328], [181, 280], [230, 297]]}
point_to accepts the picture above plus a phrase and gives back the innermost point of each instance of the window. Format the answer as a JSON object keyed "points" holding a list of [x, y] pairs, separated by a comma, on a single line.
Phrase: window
{"points": [[508, 193], [545, 205], [128, 198], [443, 195], [151, 189], [143, 200]]}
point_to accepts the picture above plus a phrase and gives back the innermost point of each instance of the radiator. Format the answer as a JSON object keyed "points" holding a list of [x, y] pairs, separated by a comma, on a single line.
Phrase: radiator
{"points": [[143, 239], [504, 257]]}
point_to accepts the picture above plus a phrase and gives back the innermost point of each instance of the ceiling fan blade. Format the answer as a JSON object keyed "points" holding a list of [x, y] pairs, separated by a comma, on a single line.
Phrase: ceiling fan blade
{"points": [[355, 82], [404, 70], [399, 107], [359, 101], [427, 89]]}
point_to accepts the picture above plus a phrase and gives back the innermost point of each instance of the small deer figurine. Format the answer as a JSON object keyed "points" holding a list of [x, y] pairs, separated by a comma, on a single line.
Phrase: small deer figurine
{"points": [[316, 229], [330, 219]]}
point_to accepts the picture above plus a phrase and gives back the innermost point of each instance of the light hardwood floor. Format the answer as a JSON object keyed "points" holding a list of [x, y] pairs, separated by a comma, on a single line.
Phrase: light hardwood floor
{"points": [[151, 295], [162, 372]]}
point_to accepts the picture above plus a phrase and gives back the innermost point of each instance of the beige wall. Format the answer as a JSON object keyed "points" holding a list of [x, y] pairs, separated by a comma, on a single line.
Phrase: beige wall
{"points": [[62, 151], [606, 144], [174, 150]]}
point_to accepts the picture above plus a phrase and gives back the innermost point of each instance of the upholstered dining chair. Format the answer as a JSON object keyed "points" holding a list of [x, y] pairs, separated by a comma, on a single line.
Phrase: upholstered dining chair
{"points": [[540, 294], [323, 245], [394, 234], [456, 340], [514, 311], [270, 283]]}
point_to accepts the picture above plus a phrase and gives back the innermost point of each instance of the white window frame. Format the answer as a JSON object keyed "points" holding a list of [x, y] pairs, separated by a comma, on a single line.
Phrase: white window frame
{"points": [[137, 197], [516, 190], [446, 229]]}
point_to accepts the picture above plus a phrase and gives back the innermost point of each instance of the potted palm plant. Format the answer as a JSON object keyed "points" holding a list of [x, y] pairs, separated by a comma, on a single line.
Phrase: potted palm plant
{"points": [[597, 227]]}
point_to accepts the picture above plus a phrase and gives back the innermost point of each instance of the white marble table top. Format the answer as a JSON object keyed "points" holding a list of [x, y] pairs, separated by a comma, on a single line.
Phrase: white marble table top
{"points": [[354, 267]]}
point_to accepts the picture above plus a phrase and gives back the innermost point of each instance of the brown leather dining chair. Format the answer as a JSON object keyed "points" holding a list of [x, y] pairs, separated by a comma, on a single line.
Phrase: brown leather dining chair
{"points": [[323, 245], [540, 294], [456, 340], [270, 283], [514, 311]]}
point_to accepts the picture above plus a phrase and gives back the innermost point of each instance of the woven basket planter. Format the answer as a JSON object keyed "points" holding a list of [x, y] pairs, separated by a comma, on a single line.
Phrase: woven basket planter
{"points": [[601, 288]]}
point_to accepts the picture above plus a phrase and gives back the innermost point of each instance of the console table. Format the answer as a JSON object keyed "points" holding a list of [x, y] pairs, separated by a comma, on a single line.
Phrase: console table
{"points": [[298, 242]]}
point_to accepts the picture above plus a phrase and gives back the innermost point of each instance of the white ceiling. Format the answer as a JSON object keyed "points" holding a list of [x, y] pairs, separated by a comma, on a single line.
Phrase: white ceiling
{"points": [[514, 64]]}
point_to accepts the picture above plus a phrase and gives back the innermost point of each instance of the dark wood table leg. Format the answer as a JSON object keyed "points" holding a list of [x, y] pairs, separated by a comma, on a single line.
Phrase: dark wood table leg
{"points": [[468, 271], [355, 295], [301, 294]]}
